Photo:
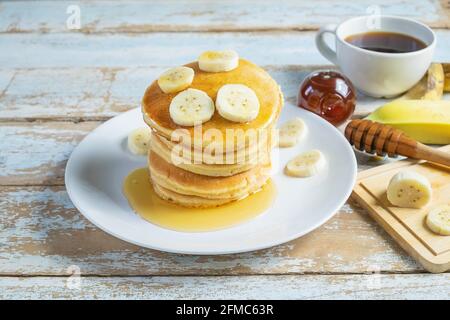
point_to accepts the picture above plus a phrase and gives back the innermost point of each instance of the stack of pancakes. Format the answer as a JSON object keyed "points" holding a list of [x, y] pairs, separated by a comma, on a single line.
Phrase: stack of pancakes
{"points": [[205, 178]]}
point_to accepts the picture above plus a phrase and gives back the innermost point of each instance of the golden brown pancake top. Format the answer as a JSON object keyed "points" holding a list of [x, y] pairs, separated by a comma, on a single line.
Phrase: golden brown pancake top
{"points": [[155, 103]]}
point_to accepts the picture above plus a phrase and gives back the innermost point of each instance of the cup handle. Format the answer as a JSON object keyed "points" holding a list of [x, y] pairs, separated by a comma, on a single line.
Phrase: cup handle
{"points": [[322, 46]]}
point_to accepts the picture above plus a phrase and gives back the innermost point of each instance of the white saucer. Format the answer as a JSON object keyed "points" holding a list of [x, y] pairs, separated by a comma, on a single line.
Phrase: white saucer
{"points": [[99, 164]]}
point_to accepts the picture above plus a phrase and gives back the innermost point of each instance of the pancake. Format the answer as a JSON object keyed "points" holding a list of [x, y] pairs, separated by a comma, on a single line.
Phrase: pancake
{"points": [[207, 164], [215, 170], [239, 147], [259, 147], [184, 182], [155, 103], [188, 201]]}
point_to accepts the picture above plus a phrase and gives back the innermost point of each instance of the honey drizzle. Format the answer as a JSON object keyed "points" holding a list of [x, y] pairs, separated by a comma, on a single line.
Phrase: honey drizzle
{"points": [[145, 202]]}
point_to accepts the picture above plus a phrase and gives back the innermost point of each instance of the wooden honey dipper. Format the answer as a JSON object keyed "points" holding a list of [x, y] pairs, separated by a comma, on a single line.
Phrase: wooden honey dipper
{"points": [[381, 139]]}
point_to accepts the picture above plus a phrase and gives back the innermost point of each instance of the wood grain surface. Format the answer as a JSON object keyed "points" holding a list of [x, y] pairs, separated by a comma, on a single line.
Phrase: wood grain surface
{"points": [[204, 15], [165, 49], [57, 85], [371, 286], [44, 234]]}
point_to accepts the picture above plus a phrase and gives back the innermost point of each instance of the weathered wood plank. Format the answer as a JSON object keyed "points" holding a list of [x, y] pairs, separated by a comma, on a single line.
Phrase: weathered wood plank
{"points": [[36, 153], [100, 93], [164, 49], [152, 49], [6, 77], [204, 15], [374, 286], [43, 234]]}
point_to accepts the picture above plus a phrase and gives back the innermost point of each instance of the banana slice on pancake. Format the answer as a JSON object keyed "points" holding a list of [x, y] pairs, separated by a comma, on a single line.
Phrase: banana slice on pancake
{"points": [[176, 79], [218, 61], [191, 107], [237, 102]]}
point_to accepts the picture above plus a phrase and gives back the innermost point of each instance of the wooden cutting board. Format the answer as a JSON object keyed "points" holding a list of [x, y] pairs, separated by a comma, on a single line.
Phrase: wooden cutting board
{"points": [[407, 226]]}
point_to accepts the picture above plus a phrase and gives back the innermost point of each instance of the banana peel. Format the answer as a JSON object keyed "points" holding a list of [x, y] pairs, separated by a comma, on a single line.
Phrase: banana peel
{"points": [[427, 121], [446, 67], [430, 87]]}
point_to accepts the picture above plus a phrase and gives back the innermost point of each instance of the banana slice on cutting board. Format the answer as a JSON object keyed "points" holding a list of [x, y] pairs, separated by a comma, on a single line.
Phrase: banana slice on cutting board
{"points": [[438, 220], [290, 133], [237, 102], [408, 189], [218, 61], [176, 79], [306, 164], [139, 141], [191, 107]]}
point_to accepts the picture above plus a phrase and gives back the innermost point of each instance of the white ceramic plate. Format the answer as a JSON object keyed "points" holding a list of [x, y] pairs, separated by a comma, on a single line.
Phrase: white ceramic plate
{"points": [[98, 166]]}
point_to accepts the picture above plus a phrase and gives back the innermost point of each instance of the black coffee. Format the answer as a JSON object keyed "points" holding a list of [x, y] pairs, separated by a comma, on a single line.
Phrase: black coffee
{"points": [[389, 42]]}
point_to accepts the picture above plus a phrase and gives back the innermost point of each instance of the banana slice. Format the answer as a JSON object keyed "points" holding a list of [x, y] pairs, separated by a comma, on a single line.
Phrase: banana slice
{"points": [[306, 164], [290, 132], [218, 61], [408, 189], [176, 79], [438, 220], [237, 102], [191, 107], [139, 141]]}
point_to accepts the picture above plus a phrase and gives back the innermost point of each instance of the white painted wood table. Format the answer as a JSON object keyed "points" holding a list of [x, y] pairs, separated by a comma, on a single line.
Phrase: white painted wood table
{"points": [[57, 84]]}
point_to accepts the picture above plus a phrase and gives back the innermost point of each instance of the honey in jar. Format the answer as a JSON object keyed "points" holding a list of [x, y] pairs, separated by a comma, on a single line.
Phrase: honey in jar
{"points": [[328, 94]]}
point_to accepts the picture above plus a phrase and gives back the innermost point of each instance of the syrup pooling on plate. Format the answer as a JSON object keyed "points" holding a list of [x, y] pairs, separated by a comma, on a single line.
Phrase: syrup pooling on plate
{"points": [[151, 207]]}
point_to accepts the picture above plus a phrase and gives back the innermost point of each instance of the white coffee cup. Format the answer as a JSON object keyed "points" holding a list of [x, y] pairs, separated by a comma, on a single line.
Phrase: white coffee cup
{"points": [[374, 73]]}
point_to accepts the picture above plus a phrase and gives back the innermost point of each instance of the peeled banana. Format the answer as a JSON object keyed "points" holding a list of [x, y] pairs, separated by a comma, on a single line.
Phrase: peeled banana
{"points": [[139, 141], [424, 120], [290, 132], [237, 102], [176, 79], [191, 107], [218, 61], [438, 220], [306, 164], [408, 189]]}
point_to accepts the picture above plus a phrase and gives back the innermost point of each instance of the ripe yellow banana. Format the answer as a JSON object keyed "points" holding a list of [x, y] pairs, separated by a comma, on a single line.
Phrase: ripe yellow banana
{"points": [[424, 120], [430, 87]]}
